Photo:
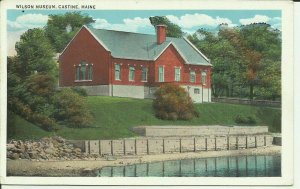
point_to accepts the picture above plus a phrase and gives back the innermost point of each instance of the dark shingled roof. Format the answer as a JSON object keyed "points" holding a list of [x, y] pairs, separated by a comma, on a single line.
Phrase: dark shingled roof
{"points": [[138, 46]]}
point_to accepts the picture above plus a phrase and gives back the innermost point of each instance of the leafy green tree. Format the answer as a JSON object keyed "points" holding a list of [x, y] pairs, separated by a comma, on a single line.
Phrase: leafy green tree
{"points": [[173, 102], [173, 30], [71, 109], [60, 29], [35, 53]]}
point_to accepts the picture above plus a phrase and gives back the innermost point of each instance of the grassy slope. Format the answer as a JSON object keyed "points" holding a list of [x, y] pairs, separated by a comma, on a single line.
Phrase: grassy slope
{"points": [[115, 117]]}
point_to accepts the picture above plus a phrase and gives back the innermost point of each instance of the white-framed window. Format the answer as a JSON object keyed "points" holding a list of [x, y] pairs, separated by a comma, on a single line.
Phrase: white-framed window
{"points": [[203, 77], [161, 74], [192, 76], [84, 72], [144, 73], [196, 91], [117, 72], [131, 73], [177, 74]]}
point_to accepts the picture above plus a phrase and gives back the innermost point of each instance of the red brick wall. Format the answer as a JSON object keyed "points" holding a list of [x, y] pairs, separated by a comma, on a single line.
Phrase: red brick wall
{"points": [[125, 64], [84, 47], [170, 59]]}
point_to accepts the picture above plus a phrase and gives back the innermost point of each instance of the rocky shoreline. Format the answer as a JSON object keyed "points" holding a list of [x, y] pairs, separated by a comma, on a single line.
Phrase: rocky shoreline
{"points": [[55, 157]]}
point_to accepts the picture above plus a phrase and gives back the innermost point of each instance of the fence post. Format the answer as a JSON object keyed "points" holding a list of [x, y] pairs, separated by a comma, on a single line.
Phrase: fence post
{"points": [[100, 147], [237, 142], [135, 150], [148, 146], [206, 143], [124, 147], [111, 147], [228, 144], [194, 144], [246, 142], [163, 145], [179, 145]]}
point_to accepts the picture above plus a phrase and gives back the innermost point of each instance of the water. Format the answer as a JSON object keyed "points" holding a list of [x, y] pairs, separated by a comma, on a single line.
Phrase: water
{"points": [[239, 166]]}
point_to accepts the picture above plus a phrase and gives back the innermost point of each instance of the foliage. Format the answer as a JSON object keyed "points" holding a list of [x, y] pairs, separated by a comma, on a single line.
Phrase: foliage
{"points": [[80, 91], [173, 30], [173, 102], [35, 54], [115, 117], [71, 109], [60, 29], [246, 60], [241, 119]]}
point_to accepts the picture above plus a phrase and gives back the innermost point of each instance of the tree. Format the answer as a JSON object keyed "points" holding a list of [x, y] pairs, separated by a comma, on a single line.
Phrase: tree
{"points": [[173, 30], [173, 102], [246, 60], [35, 53], [60, 29]]}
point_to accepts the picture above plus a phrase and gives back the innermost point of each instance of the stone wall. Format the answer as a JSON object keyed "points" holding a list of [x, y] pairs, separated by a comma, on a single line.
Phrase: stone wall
{"points": [[167, 131], [175, 144], [247, 101]]}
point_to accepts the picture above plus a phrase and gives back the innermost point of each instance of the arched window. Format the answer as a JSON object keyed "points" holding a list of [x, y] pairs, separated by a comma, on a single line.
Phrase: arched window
{"points": [[84, 72], [131, 73]]}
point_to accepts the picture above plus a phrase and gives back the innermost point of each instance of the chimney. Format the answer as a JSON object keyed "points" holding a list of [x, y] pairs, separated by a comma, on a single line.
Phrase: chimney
{"points": [[161, 33]]}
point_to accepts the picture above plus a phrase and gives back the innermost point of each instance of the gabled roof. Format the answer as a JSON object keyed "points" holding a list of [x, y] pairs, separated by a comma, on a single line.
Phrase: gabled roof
{"points": [[128, 45]]}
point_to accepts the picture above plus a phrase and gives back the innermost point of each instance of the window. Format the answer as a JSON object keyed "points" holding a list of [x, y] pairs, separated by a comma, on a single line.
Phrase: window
{"points": [[144, 73], [161, 74], [192, 76], [84, 72], [117, 72], [131, 73], [177, 74], [203, 76], [196, 91]]}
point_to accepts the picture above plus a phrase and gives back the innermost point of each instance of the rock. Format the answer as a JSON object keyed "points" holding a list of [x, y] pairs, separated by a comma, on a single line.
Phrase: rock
{"points": [[10, 146], [49, 151], [14, 156], [33, 154], [67, 150]]}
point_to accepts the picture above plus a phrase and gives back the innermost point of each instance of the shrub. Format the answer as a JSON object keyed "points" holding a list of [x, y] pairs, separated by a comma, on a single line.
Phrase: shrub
{"points": [[80, 91], [71, 109], [173, 102], [241, 119]]}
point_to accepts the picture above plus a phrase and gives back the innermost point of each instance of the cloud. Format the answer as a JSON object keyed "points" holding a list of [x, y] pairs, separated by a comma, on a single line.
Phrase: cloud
{"points": [[136, 24], [27, 21], [275, 22], [255, 19], [198, 20]]}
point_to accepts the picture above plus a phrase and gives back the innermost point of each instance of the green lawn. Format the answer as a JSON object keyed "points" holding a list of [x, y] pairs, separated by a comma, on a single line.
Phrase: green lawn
{"points": [[116, 116]]}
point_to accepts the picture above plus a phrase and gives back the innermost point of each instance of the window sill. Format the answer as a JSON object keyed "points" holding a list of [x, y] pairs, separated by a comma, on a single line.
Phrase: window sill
{"points": [[118, 80], [78, 81], [144, 81]]}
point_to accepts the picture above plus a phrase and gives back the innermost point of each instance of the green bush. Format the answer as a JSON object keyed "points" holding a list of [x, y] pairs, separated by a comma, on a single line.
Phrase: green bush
{"points": [[79, 91], [71, 109], [172, 102], [241, 119]]}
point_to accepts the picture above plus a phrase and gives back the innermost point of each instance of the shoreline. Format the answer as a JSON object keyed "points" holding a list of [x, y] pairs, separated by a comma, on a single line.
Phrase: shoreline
{"points": [[77, 167]]}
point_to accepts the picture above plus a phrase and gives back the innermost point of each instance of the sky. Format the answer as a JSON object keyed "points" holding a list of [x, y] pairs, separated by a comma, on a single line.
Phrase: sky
{"points": [[19, 21]]}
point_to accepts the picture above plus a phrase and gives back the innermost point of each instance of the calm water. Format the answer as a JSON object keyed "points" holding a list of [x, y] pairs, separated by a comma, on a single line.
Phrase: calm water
{"points": [[240, 166]]}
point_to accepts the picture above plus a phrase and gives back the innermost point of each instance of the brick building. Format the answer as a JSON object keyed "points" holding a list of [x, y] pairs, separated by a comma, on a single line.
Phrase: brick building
{"points": [[125, 64]]}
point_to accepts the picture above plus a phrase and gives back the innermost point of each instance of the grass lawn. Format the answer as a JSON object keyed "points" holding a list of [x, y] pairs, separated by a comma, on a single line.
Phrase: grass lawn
{"points": [[114, 118]]}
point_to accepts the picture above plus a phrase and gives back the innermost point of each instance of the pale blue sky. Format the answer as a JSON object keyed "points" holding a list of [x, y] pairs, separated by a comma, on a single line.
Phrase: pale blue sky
{"points": [[138, 20]]}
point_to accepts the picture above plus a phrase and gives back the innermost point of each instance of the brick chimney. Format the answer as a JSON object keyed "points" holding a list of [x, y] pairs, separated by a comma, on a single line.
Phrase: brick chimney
{"points": [[161, 33]]}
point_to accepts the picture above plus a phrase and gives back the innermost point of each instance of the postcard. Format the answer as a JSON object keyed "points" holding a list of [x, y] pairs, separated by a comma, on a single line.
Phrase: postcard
{"points": [[147, 92]]}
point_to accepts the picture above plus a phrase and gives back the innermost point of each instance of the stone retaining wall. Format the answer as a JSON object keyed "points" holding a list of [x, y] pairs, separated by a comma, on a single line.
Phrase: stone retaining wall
{"points": [[174, 145], [167, 131]]}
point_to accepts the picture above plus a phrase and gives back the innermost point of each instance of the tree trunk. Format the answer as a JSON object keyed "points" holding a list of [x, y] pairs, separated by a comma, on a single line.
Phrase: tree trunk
{"points": [[251, 91]]}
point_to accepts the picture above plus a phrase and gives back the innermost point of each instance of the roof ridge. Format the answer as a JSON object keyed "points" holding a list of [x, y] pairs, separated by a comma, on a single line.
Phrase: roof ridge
{"points": [[120, 31]]}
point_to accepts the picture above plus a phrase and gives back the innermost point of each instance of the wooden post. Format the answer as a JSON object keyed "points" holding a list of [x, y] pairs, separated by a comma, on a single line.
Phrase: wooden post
{"points": [[148, 146], [237, 142], [246, 142], [124, 147], [255, 141], [228, 144], [100, 147], [206, 144], [163, 145], [180, 145], [215, 143], [194, 144], [112, 148], [135, 150]]}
